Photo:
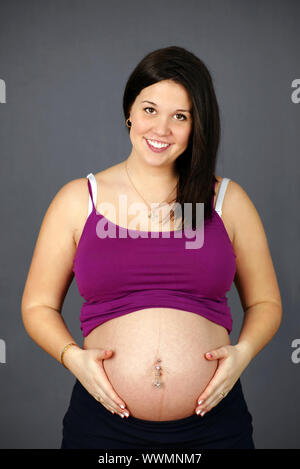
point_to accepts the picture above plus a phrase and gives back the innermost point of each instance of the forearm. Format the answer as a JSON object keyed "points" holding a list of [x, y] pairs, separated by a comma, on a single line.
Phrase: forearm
{"points": [[47, 328], [260, 324]]}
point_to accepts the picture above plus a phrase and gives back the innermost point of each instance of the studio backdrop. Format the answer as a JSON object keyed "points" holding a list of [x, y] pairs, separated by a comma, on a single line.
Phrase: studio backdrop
{"points": [[63, 67]]}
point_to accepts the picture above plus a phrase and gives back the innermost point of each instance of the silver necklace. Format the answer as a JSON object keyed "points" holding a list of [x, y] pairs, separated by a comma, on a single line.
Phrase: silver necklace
{"points": [[152, 213]]}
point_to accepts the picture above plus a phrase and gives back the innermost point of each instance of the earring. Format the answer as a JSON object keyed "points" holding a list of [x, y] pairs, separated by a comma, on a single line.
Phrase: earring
{"points": [[127, 120]]}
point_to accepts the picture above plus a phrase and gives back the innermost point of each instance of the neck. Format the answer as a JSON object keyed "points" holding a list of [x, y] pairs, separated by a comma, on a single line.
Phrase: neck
{"points": [[154, 182]]}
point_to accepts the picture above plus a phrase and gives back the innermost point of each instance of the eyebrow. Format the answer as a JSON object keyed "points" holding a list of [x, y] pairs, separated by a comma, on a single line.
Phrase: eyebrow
{"points": [[184, 110]]}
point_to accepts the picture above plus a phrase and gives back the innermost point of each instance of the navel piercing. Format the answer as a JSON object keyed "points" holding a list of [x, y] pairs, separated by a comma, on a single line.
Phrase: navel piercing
{"points": [[157, 383]]}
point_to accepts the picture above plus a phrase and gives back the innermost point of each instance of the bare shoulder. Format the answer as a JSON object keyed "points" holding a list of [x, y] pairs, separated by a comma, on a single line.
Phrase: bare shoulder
{"points": [[76, 193], [238, 211], [77, 196], [73, 194], [242, 216], [238, 206], [66, 198]]}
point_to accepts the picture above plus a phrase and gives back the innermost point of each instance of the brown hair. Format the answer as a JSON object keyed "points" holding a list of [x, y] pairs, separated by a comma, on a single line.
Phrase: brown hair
{"points": [[196, 165]]}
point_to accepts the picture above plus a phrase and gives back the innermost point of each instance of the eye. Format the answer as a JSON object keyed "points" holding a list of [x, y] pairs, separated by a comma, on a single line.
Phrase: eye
{"points": [[184, 117], [148, 108]]}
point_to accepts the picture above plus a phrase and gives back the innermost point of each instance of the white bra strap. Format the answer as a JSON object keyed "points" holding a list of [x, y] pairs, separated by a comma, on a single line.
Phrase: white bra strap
{"points": [[221, 194], [93, 183]]}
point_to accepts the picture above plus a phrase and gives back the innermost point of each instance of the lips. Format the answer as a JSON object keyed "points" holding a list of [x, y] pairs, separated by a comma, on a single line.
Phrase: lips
{"points": [[158, 141], [157, 150]]}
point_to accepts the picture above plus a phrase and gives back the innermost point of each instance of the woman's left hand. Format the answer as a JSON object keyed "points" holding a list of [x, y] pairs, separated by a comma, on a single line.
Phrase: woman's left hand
{"points": [[233, 359]]}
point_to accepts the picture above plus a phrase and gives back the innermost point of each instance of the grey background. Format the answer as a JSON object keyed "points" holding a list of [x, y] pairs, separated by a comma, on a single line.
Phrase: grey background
{"points": [[65, 64]]}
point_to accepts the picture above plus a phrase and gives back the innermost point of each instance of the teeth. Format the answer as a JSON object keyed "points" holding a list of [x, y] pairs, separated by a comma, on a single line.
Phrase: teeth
{"points": [[158, 145]]}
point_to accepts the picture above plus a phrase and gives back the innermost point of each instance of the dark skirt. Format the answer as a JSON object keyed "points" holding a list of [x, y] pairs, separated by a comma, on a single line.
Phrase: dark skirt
{"points": [[87, 424]]}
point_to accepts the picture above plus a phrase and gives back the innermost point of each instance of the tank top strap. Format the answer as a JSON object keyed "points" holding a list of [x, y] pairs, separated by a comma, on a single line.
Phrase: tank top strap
{"points": [[221, 194], [213, 195], [92, 186]]}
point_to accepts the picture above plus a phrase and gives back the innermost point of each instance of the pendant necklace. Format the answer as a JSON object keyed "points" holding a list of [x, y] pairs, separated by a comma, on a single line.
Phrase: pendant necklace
{"points": [[152, 213]]}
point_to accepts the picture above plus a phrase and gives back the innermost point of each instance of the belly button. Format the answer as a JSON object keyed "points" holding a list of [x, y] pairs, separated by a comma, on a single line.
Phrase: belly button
{"points": [[157, 383]]}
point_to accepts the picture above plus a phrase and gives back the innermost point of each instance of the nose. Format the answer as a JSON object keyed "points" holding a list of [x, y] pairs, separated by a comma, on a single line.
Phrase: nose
{"points": [[161, 128]]}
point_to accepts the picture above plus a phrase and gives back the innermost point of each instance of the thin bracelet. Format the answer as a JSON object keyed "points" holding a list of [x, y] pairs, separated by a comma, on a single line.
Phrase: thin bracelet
{"points": [[64, 350]]}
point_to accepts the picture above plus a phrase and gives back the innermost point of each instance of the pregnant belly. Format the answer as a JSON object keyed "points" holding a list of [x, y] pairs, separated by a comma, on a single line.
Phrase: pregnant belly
{"points": [[179, 340]]}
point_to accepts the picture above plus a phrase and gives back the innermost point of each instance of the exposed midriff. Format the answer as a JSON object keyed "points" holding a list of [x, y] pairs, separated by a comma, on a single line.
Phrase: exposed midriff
{"points": [[179, 339]]}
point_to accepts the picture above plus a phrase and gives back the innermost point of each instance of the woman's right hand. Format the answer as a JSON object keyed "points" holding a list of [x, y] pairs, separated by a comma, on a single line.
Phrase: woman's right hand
{"points": [[87, 366]]}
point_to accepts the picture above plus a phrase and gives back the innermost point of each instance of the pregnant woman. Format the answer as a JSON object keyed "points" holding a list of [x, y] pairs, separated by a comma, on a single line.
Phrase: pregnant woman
{"points": [[154, 280]]}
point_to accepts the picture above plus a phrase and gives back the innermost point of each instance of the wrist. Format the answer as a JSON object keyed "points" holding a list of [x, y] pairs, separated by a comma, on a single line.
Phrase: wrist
{"points": [[68, 353], [246, 350]]}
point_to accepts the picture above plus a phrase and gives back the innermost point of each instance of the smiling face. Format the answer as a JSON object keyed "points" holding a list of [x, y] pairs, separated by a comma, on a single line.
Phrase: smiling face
{"points": [[161, 113]]}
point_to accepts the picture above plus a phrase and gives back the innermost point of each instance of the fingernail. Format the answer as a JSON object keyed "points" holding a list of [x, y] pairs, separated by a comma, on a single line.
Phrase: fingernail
{"points": [[209, 355], [202, 413], [122, 406], [200, 402], [198, 411], [126, 413]]}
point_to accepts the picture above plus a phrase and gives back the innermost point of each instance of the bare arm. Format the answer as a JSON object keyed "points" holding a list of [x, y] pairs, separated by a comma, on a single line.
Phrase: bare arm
{"points": [[255, 277], [50, 275]]}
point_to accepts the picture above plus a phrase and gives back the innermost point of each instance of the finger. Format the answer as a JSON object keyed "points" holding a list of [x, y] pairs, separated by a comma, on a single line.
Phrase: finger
{"points": [[108, 390], [107, 400], [216, 354], [210, 391], [213, 400], [111, 409], [102, 399], [211, 404], [123, 414], [110, 396]]}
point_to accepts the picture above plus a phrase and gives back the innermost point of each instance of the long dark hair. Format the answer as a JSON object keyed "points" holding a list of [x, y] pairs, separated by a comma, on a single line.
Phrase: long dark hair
{"points": [[196, 165]]}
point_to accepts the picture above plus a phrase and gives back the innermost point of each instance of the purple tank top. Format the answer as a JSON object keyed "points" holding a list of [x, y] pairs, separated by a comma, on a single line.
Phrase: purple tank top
{"points": [[119, 275]]}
